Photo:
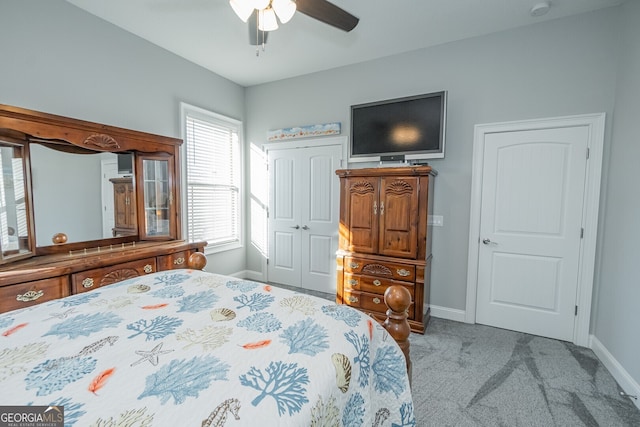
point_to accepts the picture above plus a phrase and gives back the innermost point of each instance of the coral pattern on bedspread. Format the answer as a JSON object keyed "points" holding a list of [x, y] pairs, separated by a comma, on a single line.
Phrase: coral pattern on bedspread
{"points": [[189, 348]]}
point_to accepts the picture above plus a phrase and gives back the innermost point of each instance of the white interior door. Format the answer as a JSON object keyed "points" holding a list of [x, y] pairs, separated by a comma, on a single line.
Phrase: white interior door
{"points": [[320, 217], [109, 170], [303, 216], [533, 188], [284, 218]]}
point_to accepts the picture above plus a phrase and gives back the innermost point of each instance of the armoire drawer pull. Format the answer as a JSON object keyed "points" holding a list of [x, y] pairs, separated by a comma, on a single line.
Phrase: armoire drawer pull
{"points": [[148, 269], [402, 272], [87, 283], [178, 261], [354, 265], [377, 282], [353, 282], [28, 296], [377, 300], [353, 299]]}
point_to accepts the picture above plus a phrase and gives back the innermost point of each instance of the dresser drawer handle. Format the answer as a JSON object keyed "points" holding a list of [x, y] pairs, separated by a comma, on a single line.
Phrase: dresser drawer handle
{"points": [[353, 282], [353, 299], [148, 269], [402, 272], [377, 301], [354, 265], [87, 283], [377, 282], [178, 261], [31, 295]]}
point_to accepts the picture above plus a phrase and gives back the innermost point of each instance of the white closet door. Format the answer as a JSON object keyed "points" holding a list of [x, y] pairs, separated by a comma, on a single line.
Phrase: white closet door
{"points": [[303, 216], [284, 218]]}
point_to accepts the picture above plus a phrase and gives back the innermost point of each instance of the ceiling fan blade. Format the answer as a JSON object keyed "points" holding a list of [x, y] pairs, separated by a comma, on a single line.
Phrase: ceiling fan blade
{"points": [[328, 13], [256, 37]]}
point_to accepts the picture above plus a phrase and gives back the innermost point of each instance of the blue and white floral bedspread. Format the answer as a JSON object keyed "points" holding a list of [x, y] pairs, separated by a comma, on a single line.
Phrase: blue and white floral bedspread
{"points": [[189, 348]]}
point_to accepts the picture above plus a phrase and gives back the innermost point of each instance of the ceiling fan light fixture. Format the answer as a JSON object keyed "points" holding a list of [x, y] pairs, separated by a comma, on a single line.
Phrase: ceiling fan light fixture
{"points": [[267, 20], [285, 9], [242, 8]]}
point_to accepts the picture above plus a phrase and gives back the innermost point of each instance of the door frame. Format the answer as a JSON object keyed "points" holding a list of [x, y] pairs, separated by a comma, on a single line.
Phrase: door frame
{"points": [[300, 143], [590, 207]]}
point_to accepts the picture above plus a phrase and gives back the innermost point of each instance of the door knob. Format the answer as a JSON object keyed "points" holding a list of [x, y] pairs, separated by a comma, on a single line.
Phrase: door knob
{"points": [[488, 242], [297, 227], [304, 227]]}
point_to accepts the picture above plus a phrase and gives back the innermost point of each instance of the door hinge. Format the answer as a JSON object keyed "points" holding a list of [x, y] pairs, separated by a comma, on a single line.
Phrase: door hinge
{"points": [[582, 232], [576, 312], [267, 261], [587, 153]]}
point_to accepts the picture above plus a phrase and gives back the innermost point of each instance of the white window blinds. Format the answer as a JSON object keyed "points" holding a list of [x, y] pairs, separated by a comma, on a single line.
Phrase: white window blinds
{"points": [[213, 179]]}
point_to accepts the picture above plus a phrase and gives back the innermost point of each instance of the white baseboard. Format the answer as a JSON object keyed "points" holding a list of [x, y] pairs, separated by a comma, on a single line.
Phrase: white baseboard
{"points": [[447, 313], [251, 275], [626, 382]]}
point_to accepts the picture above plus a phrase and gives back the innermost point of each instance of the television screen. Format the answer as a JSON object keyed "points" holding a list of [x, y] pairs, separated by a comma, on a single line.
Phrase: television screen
{"points": [[125, 163], [403, 128]]}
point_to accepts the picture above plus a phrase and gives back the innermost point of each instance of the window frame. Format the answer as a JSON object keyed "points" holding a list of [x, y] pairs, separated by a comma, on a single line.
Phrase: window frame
{"points": [[187, 110]]}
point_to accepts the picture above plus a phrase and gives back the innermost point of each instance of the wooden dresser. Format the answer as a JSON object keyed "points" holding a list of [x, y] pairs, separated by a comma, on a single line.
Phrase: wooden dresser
{"points": [[385, 239], [50, 277], [39, 151]]}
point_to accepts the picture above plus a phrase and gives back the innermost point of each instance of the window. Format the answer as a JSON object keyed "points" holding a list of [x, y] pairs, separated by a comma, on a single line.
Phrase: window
{"points": [[213, 177]]}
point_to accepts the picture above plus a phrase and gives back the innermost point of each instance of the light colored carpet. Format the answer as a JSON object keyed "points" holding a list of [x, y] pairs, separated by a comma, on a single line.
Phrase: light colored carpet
{"points": [[475, 375]]}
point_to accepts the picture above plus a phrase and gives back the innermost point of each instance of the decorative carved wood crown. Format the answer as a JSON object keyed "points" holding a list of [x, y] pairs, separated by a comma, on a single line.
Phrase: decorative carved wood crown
{"points": [[399, 187], [103, 141], [361, 187], [377, 269]]}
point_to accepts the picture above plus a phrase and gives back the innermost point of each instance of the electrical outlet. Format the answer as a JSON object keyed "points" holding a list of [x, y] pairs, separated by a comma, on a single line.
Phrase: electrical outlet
{"points": [[435, 220]]}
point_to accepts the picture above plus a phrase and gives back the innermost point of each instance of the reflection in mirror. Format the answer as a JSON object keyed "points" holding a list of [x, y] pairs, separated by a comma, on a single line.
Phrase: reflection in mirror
{"points": [[73, 194], [156, 197], [14, 228]]}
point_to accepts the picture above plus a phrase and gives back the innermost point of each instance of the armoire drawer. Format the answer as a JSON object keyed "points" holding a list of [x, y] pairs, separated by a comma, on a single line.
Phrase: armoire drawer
{"points": [[174, 260], [374, 285], [31, 293], [92, 279], [371, 302], [392, 270]]}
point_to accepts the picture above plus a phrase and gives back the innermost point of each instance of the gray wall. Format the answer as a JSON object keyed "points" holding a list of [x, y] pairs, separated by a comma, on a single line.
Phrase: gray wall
{"points": [[59, 59], [584, 64], [556, 68], [617, 316]]}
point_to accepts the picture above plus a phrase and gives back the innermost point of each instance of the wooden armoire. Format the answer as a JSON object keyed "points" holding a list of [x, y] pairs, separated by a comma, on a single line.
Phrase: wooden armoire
{"points": [[124, 210], [385, 238]]}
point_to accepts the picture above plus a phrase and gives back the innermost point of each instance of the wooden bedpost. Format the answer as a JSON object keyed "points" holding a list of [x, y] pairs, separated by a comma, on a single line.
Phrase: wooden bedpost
{"points": [[398, 299], [197, 261]]}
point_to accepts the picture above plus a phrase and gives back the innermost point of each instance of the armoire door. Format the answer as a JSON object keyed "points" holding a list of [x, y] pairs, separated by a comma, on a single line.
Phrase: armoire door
{"points": [[361, 214], [303, 216], [398, 213]]}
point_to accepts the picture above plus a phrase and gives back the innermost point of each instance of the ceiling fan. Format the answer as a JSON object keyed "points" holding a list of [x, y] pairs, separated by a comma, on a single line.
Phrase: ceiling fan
{"points": [[261, 15]]}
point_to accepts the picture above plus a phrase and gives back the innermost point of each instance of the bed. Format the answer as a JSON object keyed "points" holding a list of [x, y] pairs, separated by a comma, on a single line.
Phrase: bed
{"points": [[190, 348]]}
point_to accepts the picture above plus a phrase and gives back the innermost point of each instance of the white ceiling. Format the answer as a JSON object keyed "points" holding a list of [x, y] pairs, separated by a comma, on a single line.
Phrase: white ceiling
{"points": [[208, 33]]}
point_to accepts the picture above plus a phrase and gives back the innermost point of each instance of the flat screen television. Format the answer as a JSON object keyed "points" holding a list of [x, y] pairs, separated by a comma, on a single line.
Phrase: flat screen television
{"points": [[125, 163], [401, 129]]}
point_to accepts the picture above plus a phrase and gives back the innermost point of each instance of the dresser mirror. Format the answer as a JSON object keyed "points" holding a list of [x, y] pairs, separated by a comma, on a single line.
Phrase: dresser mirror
{"points": [[14, 222], [71, 186], [74, 194]]}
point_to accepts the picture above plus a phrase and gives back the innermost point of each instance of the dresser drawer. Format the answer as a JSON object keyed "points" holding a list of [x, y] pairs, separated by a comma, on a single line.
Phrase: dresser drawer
{"points": [[174, 260], [92, 279], [374, 285], [392, 270], [371, 302], [31, 293]]}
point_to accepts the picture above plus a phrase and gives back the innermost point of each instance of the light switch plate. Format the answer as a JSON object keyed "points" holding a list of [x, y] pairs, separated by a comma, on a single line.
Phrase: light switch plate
{"points": [[435, 220]]}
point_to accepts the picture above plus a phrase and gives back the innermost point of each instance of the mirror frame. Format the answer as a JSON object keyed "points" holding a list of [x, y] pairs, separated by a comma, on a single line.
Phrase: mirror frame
{"points": [[23, 126]]}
